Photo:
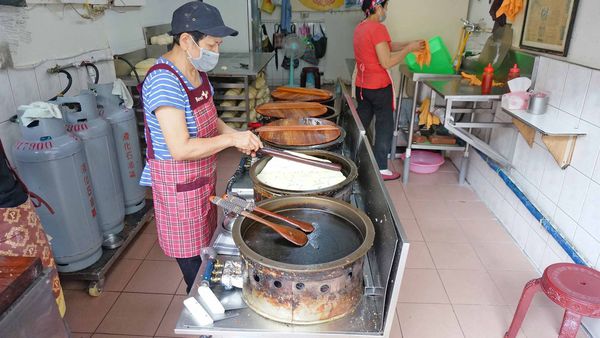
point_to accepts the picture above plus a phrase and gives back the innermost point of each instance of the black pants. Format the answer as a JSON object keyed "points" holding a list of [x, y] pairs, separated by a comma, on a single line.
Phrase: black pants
{"points": [[378, 103], [189, 267]]}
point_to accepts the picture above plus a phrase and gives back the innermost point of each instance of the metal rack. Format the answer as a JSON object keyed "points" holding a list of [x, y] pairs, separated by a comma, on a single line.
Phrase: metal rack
{"points": [[417, 78]]}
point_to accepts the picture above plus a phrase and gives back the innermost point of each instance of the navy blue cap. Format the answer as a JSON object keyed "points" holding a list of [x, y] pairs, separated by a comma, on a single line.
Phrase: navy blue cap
{"points": [[197, 16]]}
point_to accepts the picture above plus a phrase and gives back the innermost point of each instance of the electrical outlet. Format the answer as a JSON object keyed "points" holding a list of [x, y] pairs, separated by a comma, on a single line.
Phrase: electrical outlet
{"points": [[5, 57]]}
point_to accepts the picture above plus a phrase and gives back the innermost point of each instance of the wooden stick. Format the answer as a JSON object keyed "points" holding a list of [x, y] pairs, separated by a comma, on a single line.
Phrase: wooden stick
{"points": [[288, 156], [300, 127]]}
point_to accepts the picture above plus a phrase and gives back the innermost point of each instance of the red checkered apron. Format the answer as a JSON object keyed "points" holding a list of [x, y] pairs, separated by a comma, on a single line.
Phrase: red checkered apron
{"points": [[185, 218]]}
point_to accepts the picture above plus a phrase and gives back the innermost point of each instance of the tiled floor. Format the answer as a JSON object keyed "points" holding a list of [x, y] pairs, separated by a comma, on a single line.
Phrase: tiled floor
{"points": [[463, 278]]}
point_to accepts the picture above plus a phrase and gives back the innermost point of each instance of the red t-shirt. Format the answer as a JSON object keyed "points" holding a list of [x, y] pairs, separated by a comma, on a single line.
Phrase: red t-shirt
{"points": [[367, 35]]}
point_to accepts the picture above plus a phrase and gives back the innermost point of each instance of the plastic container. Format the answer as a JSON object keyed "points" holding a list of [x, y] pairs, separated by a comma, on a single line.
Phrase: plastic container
{"points": [[441, 60], [487, 80], [425, 162]]}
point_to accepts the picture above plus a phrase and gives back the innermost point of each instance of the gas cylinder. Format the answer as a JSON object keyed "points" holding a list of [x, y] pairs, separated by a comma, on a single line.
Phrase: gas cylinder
{"points": [[52, 164], [82, 119], [125, 132]]}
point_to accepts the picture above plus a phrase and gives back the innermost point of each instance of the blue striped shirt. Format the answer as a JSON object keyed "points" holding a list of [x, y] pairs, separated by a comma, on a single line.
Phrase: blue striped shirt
{"points": [[162, 89]]}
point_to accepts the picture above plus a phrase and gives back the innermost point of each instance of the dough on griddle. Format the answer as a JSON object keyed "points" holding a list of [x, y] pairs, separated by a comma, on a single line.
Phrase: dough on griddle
{"points": [[284, 174]]}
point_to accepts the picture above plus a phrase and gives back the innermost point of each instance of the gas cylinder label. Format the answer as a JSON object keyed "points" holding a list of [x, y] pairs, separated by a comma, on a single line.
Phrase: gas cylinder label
{"points": [[88, 188], [129, 154], [24, 145], [77, 127]]}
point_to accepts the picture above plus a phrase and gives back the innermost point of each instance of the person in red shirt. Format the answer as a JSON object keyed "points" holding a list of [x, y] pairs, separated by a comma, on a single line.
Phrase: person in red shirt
{"points": [[375, 53]]}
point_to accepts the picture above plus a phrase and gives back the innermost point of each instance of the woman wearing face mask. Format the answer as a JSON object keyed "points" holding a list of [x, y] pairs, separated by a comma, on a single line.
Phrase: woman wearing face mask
{"points": [[375, 53], [184, 134]]}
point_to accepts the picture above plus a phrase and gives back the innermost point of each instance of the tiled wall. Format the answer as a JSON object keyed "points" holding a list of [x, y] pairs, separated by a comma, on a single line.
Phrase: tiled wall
{"points": [[569, 198], [23, 86]]}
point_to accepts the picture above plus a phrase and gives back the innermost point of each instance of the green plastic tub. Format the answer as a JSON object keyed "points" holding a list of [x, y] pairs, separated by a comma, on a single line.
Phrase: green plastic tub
{"points": [[441, 61]]}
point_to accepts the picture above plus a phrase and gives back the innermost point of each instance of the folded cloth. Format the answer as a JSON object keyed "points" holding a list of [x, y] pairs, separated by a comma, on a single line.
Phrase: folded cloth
{"points": [[426, 117], [39, 110], [424, 55], [120, 89], [510, 8]]}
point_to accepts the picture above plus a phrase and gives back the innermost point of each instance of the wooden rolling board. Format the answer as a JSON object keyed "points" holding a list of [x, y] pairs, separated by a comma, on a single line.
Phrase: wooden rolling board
{"points": [[301, 94], [300, 138], [284, 110]]}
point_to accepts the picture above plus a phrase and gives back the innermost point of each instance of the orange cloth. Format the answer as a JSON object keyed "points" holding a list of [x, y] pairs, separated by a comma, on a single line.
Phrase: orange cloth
{"points": [[510, 8], [475, 81], [424, 56]]}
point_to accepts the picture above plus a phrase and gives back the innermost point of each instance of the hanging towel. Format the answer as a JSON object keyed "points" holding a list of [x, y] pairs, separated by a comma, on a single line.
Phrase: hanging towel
{"points": [[426, 118], [120, 89], [510, 8], [286, 15], [499, 20], [38, 110]]}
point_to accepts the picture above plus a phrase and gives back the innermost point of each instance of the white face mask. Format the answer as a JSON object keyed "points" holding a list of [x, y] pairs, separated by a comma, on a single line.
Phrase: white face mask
{"points": [[383, 16], [207, 60]]}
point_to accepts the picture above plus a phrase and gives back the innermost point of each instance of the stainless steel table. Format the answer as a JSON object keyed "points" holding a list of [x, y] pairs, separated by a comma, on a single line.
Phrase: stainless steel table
{"points": [[383, 271], [405, 76], [458, 90]]}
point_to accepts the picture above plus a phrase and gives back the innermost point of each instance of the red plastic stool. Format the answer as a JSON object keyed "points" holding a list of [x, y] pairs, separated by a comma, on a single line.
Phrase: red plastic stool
{"points": [[574, 287]]}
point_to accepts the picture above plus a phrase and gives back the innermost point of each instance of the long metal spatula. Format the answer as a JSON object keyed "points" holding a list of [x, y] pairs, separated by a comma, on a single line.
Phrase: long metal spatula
{"points": [[250, 207], [295, 236]]}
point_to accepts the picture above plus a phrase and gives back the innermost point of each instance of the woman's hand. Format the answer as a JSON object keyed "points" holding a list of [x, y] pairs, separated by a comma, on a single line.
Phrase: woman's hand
{"points": [[246, 142], [416, 45]]}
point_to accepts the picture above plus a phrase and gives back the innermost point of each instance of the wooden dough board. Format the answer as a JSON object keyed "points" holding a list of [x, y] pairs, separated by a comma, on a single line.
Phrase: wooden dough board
{"points": [[301, 94], [300, 138], [283, 110]]}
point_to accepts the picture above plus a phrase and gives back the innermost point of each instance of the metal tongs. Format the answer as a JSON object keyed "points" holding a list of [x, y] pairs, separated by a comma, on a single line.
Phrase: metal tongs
{"points": [[250, 207], [293, 235]]}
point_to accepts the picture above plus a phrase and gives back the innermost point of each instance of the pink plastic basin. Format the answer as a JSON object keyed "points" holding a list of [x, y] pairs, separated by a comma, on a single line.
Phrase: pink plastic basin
{"points": [[425, 162]]}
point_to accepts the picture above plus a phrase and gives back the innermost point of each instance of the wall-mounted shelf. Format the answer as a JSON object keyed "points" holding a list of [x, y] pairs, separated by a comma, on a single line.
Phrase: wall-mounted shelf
{"points": [[559, 138]]}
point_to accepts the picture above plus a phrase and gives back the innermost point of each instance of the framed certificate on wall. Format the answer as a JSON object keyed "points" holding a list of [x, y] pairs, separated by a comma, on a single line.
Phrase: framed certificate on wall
{"points": [[548, 25]]}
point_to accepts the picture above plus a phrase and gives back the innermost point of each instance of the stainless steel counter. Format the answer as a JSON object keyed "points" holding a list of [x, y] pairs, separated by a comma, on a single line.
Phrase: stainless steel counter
{"points": [[384, 264], [234, 64], [458, 89]]}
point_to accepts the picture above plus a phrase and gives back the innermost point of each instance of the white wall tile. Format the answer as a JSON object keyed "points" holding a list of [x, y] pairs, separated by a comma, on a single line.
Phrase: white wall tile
{"points": [[559, 251], [591, 108], [552, 179], [587, 149], [573, 192], [565, 224], [506, 213], [546, 206], [521, 157], [587, 245], [576, 87], [549, 258], [520, 230], [590, 214], [48, 84], [24, 86], [535, 165], [596, 176], [530, 191], [503, 141], [534, 248], [554, 81], [542, 73], [7, 103]]}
